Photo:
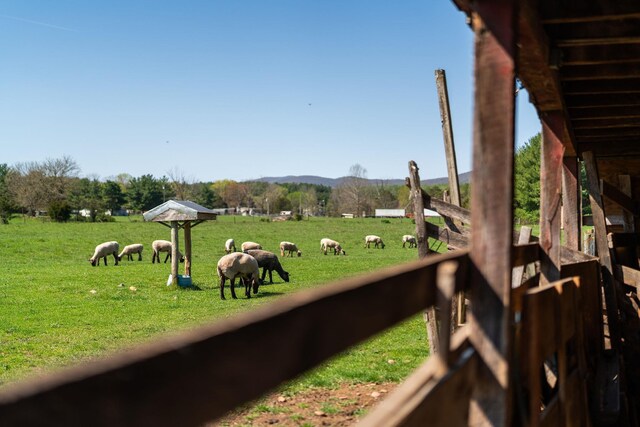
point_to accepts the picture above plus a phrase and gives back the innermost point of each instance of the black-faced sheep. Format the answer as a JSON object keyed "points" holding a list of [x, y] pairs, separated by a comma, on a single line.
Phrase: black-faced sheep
{"points": [[407, 238], [163, 246], [129, 250], [246, 246], [239, 264], [331, 244], [377, 241], [230, 246], [269, 262], [289, 248], [102, 250]]}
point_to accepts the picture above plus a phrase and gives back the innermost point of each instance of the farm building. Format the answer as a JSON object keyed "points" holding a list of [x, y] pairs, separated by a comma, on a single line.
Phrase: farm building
{"points": [[400, 213], [557, 348]]}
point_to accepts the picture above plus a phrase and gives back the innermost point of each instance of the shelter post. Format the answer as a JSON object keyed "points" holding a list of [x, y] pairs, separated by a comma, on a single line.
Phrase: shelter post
{"points": [[175, 258], [187, 248]]}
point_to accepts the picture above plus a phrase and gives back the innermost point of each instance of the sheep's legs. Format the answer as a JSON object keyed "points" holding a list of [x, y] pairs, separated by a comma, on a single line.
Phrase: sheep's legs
{"points": [[165, 258], [233, 288], [115, 257], [222, 287]]}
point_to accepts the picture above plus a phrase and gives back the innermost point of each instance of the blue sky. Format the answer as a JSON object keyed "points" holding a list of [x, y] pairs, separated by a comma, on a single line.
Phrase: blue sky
{"points": [[236, 89]]}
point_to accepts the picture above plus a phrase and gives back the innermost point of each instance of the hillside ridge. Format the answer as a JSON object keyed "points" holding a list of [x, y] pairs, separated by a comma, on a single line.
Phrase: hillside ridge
{"points": [[334, 182]]}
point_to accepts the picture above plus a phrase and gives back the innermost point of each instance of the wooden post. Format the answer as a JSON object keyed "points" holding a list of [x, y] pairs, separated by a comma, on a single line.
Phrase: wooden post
{"points": [[625, 186], [459, 307], [175, 259], [187, 248], [492, 212], [518, 272], [447, 133], [430, 315], [552, 151], [602, 246], [571, 203]]}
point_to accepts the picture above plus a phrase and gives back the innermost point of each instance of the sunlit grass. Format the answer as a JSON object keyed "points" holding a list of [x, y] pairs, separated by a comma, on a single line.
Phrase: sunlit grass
{"points": [[58, 310]]}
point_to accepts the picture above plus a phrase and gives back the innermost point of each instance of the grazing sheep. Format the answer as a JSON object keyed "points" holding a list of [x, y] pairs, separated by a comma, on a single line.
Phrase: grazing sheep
{"points": [[129, 250], [290, 248], [331, 244], [250, 245], [407, 238], [102, 250], [239, 264], [269, 262], [230, 246], [377, 241], [163, 246]]}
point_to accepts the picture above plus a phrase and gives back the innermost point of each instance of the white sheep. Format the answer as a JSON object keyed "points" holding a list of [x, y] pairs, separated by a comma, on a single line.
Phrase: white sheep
{"points": [[250, 245], [377, 241], [407, 238], [163, 246], [289, 248], [239, 264], [129, 250], [230, 246], [102, 250], [331, 244]]}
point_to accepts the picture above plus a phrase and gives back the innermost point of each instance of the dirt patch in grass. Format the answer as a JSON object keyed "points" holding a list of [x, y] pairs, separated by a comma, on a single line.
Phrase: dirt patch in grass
{"points": [[342, 406]]}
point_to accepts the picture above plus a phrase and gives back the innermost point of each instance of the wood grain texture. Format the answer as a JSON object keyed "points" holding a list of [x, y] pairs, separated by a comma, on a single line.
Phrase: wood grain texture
{"points": [[492, 208]]}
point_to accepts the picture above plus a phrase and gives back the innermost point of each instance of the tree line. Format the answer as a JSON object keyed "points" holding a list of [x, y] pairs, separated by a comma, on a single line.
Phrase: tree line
{"points": [[54, 187]]}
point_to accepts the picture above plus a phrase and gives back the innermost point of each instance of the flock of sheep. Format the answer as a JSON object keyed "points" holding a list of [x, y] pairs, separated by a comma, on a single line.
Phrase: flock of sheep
{"points": [[244, 265]]}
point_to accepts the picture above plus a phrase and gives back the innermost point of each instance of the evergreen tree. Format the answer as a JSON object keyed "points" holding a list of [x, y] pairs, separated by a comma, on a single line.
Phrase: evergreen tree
{"points": [[527, 180]]}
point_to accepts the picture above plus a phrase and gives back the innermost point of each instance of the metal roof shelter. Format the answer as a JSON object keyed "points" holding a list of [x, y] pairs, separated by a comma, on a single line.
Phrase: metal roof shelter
{"points": [[177, 214]]}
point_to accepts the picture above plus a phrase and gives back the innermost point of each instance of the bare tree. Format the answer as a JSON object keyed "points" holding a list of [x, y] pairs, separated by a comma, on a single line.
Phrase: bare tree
{"points": [[58, 173], [181, 185], [353, 193], [26, 182]]}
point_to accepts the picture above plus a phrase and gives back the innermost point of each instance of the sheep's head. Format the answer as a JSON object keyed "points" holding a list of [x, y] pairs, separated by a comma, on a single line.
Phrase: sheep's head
{"points": [[285, 276], [299, 253], [256, 282], [382, 244], [93, 262]]}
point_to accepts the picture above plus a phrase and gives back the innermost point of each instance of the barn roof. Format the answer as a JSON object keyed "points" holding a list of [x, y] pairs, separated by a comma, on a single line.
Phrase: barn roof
{"points": [[581, 59], [179, 210]]}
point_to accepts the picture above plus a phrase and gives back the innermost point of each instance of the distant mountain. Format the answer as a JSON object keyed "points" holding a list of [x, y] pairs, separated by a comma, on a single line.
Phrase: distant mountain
{"points": [[334, 182]]}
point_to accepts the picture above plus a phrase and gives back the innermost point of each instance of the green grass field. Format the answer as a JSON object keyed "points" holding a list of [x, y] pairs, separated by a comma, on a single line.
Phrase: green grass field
{"points": [[57, 310]]}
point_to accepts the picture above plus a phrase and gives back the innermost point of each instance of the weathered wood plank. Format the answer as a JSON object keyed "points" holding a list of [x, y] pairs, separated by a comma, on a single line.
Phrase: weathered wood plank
{"points": [[551, 165], [615, 195], [518, 269], [629, 276], [624, 181], [447, 133], [187, 248], [451, 238], [571, 203], [430, 314], [210, 370], [492, 208], [569, 256], [432, 395], [600, 226]]}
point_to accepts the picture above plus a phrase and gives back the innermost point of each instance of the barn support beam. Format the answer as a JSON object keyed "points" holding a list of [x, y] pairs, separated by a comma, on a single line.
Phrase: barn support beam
{"points": [[552, 150], [492, 210], [602, 246], [571, 203]]}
